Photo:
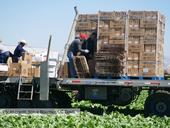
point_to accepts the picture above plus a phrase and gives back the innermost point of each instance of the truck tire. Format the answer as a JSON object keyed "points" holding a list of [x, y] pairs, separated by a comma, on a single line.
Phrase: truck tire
{"points": [[158, 104], [60, 99], [123, 96]]}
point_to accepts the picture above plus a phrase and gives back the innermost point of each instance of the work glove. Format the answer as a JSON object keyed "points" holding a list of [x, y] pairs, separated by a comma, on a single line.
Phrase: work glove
{"points": [[86, 51]]}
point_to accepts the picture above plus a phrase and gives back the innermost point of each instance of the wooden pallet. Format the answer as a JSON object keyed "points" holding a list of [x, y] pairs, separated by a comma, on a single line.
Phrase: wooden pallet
{"points": [[81, 67]]}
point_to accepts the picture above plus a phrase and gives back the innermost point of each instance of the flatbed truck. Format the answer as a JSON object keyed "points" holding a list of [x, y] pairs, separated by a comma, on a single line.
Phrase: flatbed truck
{"points": [[52, 92]]}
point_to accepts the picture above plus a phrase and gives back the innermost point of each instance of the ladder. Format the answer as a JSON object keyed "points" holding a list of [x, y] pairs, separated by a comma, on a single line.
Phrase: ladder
{"points": [[25, 91]]}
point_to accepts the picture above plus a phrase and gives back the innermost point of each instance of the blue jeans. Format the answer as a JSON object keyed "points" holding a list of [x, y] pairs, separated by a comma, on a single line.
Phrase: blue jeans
{"points": [[4, 56], [71, 65]]}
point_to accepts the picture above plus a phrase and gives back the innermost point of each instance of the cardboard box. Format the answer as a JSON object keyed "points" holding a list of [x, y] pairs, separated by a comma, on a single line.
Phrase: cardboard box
{"points": [[19, 69], [36, 71], [30, 72], [27, 57]]}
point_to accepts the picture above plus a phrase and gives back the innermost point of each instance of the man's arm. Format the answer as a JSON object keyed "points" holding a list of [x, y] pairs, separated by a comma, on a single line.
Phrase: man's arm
{"points": [[79, 43]]}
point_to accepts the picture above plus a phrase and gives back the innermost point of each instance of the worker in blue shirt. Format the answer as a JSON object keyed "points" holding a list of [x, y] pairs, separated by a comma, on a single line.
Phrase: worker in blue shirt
{"points": [[75, 47], [19, 51]]}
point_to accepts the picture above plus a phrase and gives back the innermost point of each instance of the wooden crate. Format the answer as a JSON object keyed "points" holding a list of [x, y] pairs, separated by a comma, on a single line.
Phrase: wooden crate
{"points": [[65, 70], [117, 34], [151, 15], [135, 39], [148, 64], [148, 23], [106, 15], [149, 41], [135, 48], [87, 17], [150, 48], [83, 25], [134, 23], [81, 67], [109, 70], [118, 41], [136, 14], [105, 33], [104, 25], [133, 64], [119, 15], [134, 71], [148, 57], [151, 31], [136, 32], [117, 24], [91, 64], [149, 72], [82, 17], [93, 17], [134, 56]]}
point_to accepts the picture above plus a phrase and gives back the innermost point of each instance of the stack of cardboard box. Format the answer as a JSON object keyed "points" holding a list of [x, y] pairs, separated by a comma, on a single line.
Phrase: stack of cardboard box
{"points": [[22, 68]]}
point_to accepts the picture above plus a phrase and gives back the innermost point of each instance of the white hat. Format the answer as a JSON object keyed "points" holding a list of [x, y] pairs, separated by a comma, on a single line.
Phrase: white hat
{"points": [[22, 41], [77, 36]]}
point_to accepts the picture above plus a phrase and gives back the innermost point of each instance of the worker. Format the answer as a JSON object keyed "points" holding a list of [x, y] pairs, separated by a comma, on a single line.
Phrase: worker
{"points": [[74, 49], [19, 51], [4, 54], [91, 45]]}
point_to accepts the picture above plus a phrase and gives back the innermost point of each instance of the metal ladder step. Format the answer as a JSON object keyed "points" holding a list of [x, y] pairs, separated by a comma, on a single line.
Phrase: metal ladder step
{"points": [[25, 92], [24, 99]]}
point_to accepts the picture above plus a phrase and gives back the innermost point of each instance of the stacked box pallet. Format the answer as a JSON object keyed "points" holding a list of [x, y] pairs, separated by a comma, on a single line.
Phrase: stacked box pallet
{"points": [[139, 33], [111, 43], [135, 47], [109, 61], [145, 42]]}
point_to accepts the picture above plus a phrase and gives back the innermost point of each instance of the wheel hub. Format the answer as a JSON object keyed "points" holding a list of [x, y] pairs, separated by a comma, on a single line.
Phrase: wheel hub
{"points": [[161, 107]]}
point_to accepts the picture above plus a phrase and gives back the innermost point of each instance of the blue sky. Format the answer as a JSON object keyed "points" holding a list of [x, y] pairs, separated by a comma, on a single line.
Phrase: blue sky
{"points": [[35, 20]]}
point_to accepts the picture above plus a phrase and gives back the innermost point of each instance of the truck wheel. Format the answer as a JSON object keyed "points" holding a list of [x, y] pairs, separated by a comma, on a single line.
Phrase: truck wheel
{"points": [[60, 99], [158, 104]]}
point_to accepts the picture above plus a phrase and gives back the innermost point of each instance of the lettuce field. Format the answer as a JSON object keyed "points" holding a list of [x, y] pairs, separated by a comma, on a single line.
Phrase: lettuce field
{"points": [[91, 116]]}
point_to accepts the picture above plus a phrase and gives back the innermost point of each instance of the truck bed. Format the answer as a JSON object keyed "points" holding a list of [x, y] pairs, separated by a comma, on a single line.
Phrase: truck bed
{"points": [[66, 82]]}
